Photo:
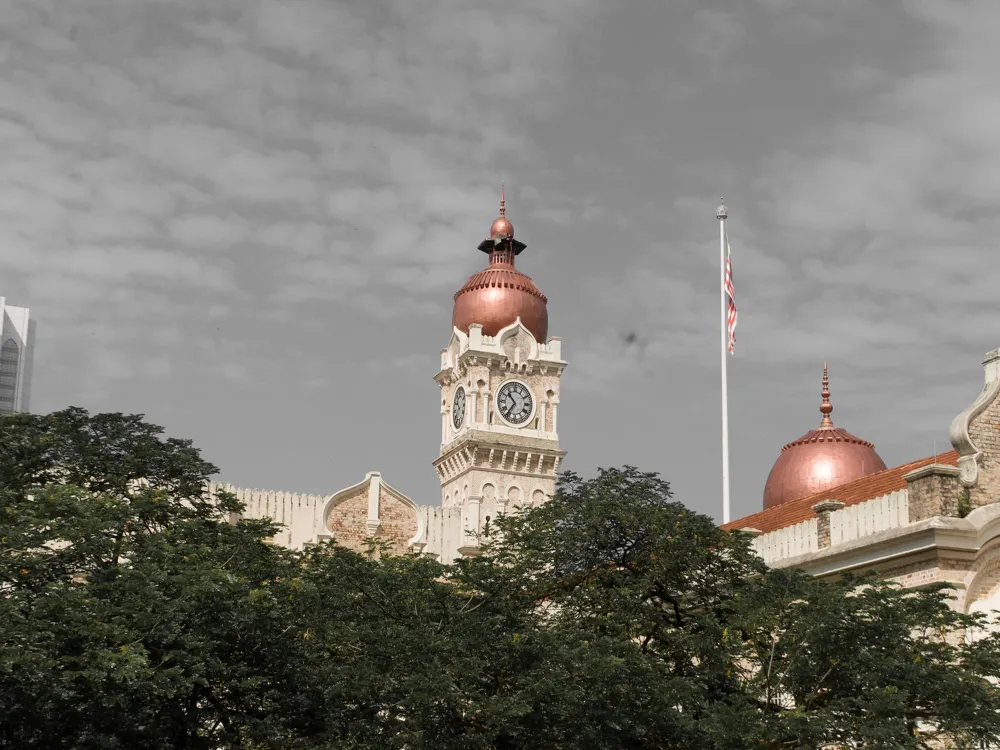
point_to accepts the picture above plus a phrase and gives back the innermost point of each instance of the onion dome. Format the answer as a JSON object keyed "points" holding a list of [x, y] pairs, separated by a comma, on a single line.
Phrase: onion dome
{"points": [[821, 459], [500, 294]]}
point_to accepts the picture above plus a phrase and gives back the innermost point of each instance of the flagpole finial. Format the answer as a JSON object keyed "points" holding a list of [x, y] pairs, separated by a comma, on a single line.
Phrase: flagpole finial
{"points": [[721, 212]]}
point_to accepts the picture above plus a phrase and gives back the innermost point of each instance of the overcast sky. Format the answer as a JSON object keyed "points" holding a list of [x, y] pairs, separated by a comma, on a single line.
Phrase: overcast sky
{"points": [[247, 219]]}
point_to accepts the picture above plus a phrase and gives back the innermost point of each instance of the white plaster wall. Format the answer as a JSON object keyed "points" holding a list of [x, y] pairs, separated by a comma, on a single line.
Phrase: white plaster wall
{"points": [[302, 515], [989, 606], [445, 533]]}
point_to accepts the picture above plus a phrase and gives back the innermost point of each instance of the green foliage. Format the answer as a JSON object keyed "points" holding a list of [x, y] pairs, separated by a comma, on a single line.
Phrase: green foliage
{"points": [[964, 504], [751, 657], [138, 614]]}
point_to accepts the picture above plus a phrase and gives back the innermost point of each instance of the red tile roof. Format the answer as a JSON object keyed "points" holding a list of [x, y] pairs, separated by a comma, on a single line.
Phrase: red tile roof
{"points": [[852, 493]]}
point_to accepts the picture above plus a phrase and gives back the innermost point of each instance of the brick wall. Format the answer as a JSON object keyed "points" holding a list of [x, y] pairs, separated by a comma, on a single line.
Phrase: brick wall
{"points": [[915, 574], [347, 522], [397, 522], [823, 509], [985, 434], [934, 570], [933, 491]]}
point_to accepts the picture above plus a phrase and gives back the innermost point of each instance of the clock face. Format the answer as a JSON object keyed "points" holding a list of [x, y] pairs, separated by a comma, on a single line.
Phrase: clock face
{"points": [[458, 408], [514, 402]]}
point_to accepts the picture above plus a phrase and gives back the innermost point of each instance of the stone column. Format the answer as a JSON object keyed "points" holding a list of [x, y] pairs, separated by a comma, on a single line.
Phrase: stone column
{"points": [[374, 493], [486, 406], [472, 408], [555, 411], [934, 490], [823, 509], [470, 521]]}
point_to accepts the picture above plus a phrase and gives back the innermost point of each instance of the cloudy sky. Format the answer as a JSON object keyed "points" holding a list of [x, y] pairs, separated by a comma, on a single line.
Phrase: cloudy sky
{"points": [[247, 218]]}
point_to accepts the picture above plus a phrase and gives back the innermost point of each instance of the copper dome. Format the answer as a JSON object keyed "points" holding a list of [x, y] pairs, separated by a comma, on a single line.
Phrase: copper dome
{"points": [[821, 459], [500, 294]]}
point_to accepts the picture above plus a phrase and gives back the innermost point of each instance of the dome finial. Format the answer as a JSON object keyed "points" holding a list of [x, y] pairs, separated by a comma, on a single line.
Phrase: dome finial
{"points": [[826, 407], [502, 229]]}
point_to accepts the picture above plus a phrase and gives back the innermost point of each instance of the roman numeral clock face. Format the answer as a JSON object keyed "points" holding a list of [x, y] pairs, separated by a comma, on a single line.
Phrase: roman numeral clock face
{"points": [[458, 408], [514, 402]]}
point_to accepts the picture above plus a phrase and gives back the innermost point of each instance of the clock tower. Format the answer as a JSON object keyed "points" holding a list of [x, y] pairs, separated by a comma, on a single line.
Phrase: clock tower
{"points": [[499, 381]]}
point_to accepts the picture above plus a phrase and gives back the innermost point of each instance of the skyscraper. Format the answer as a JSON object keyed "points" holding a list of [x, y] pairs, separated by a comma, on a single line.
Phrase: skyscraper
{"points": [[17, 350]]}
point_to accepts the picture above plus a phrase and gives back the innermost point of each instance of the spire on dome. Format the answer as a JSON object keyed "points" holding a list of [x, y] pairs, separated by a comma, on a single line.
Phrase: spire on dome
{"points": [[826, 407], [502, 229], [501, 239]]}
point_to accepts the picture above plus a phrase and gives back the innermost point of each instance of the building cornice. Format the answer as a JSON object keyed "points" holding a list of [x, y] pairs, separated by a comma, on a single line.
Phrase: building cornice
{"points": [[960, 538], [474, 439], [961, 439]]}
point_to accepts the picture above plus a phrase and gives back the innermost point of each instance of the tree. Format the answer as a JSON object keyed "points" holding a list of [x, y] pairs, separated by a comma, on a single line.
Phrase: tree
{"points": [[760, 658], [137, 612], [416, 658], [138, 615], [129, 602]]}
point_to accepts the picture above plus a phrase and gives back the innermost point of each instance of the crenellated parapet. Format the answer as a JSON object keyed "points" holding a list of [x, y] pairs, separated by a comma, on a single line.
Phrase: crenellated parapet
{"points": [[300, 514], [368, 510], [514, 344]]}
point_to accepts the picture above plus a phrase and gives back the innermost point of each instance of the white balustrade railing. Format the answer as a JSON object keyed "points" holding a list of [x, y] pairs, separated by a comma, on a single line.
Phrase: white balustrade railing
{"points": [[847, 524], [787, 542], [870, 517]]}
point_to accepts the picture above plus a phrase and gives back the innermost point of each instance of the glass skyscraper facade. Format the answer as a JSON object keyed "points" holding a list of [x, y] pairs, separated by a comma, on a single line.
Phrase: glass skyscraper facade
{"points": [[17, 344]]}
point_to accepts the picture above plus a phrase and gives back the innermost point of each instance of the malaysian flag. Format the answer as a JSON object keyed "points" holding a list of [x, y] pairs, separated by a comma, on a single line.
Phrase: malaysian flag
{"points": [[730, 300]]}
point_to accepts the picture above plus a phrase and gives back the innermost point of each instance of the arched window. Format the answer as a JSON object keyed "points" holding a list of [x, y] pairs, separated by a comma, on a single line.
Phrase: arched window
{"points": [[10, 356]]}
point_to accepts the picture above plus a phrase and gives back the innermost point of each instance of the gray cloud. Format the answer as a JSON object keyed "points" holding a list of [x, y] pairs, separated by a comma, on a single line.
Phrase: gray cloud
{"points": [[249, 220]]}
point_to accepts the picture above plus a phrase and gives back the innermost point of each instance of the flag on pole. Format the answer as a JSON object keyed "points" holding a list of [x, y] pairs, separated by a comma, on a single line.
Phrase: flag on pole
{"points": [[730, 300]]}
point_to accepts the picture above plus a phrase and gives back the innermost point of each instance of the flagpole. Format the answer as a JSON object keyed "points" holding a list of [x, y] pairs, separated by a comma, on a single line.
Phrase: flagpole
{"points": [[721, 214]]}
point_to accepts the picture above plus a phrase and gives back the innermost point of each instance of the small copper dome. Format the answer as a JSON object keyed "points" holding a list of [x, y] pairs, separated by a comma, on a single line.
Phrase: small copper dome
{"points": [[821, 459], [502, 228], [500, 294]]}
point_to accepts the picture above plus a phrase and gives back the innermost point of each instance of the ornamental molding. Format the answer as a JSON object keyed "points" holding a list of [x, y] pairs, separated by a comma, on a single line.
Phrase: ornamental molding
{"points": [[961, 440], [476, 343], [375, 484]]}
